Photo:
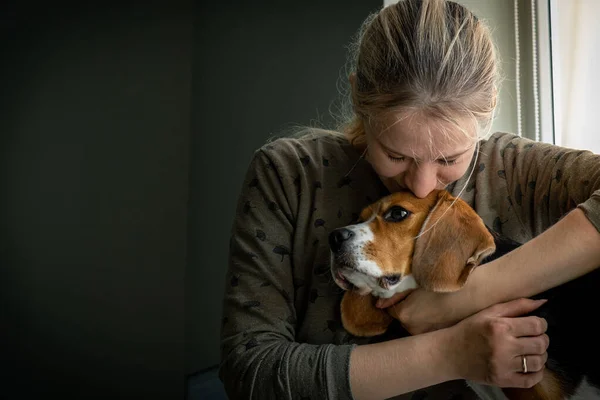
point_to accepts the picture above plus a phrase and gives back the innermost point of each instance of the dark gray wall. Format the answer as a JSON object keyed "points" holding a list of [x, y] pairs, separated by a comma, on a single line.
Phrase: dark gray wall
{"points": [[259, 67], [94, 162], [124, 137]]}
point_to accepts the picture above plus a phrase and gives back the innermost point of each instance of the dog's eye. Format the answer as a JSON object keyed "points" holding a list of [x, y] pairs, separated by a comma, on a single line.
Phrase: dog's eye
{"points": [[392, 279], [396, 214]]}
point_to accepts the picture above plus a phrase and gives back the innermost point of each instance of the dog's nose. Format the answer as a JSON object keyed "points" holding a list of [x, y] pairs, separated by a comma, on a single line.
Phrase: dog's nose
{"points": [[338, 237]]}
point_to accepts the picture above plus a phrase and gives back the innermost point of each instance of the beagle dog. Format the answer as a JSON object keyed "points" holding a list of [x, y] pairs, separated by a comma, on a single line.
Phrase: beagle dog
{"points": [[402, 242]]}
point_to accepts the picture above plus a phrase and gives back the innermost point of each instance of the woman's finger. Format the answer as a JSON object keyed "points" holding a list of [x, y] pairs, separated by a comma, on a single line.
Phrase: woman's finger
{"points": [[528, 326], [532, 345], [534, 363], [385, 303], [514, 308], [528, 380]]}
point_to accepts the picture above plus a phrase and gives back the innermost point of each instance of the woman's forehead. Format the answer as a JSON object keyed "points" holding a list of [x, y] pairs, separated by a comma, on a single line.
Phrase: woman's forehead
{"points": [[415, 135]]}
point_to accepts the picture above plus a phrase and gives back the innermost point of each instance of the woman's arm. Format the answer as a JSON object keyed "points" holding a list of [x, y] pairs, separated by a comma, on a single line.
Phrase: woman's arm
{"points": [[567, 250], [260, 357], [387, 369], [555, 194]]}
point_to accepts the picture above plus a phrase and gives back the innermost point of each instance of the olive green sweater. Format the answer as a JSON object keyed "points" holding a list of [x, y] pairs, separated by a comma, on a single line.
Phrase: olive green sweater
{"points": [[281, 332]]}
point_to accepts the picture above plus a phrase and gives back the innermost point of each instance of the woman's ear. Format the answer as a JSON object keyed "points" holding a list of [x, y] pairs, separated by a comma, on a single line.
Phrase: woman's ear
{"points": [[452, 242]]}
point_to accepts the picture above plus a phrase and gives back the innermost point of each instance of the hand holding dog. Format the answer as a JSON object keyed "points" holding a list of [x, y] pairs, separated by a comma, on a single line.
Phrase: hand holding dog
{"points": [[490, 344]]}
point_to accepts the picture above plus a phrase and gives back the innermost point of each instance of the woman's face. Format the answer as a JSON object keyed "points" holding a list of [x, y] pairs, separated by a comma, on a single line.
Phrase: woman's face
{"points": [[417, 153]]}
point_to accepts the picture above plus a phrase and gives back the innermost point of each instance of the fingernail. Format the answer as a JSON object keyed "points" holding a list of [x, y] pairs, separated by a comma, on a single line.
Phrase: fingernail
{"points": [[379, 303], [542, 300]]}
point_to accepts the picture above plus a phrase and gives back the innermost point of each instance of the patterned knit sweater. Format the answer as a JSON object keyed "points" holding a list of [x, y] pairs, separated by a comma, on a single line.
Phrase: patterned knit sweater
{"points": [[281, 332]]}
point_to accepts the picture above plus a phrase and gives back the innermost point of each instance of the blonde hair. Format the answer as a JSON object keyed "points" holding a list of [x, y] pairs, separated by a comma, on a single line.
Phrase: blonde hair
{"points": [[430, 56]]}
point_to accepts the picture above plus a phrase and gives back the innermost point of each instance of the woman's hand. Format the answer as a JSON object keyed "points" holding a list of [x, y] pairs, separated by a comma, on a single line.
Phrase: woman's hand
{"points": [[422, 311], [490, 344]]}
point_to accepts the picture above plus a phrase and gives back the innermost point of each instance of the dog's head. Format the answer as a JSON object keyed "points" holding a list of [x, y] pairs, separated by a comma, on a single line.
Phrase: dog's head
{"points": [[402, 242]]}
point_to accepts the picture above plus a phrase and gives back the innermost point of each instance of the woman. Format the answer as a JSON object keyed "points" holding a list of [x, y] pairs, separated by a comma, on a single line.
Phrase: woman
{"points": [[423, 91]]}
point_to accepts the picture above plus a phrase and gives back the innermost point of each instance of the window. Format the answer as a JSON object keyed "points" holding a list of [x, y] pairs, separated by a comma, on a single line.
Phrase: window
{"points": [[575, 61]]}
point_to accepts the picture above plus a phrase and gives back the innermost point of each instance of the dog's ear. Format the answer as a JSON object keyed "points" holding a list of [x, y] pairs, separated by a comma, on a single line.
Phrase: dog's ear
{"points": [[452, 242]]}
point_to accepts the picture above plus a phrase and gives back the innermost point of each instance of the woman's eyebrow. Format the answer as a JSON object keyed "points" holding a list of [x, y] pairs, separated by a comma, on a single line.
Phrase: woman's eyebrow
{"points": [[390, 150], [457, 154]]}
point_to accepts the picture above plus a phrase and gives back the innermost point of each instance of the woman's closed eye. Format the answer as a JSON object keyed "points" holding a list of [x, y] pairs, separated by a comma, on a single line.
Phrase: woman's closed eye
{"points": [[447, 163], [395, 158]]}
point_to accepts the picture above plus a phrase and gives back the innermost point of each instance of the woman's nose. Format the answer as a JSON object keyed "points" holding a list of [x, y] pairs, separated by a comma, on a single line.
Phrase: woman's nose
{"points": [[422, 180]]}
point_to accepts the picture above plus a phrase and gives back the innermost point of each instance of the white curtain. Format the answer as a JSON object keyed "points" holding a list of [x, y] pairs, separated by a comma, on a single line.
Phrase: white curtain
{"points": [[576, 62]]}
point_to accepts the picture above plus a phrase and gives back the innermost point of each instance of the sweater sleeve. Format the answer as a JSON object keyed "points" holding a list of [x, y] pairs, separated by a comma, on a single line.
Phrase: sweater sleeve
{"points": [[260, 358], [546, 181]]}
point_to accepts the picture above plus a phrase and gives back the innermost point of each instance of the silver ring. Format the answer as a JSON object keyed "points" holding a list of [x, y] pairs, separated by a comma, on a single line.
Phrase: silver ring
{"points": [[524, 362]]}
